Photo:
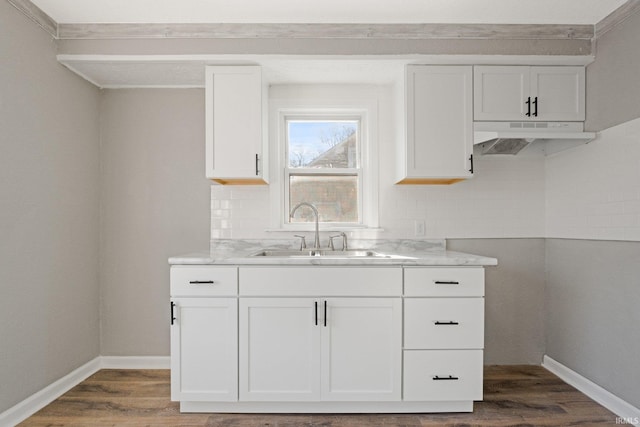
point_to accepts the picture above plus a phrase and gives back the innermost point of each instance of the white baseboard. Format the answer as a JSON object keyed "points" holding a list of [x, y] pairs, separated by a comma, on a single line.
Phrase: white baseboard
{"points": [[42, 398], [628, 413]]}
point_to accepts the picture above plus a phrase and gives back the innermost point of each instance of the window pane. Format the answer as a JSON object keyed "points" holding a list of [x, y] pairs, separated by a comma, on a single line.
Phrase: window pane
{"points": [[336, 197], [322, 143]]}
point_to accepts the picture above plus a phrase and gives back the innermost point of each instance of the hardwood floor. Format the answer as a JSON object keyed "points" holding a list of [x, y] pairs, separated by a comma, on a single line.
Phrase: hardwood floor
{"points": [[513, 395]]}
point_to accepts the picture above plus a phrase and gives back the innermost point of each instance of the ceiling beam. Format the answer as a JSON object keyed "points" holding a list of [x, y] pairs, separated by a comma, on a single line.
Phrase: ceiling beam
{"points": [[327, 31]]}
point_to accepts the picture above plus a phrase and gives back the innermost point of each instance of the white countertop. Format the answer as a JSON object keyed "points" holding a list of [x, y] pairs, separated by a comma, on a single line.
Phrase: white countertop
{"points": [[412, 252]]}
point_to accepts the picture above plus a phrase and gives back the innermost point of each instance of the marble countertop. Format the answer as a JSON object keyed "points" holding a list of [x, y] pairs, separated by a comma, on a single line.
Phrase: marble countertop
{"points": [[403, 252]]}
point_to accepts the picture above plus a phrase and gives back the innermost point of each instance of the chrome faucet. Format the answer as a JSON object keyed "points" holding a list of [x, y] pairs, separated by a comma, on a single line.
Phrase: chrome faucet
{"points": [[316, 240]]}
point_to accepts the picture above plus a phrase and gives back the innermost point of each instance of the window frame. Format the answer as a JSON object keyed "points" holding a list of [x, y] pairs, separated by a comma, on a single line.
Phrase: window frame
{"points": [[310, 107]]}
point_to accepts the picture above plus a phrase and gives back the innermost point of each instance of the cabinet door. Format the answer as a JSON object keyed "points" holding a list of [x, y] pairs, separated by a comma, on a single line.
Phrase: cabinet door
{"points": [[439, 123], [559, 93], [279, 349], [362, 349], [500, 93], [234, 133], [204, 355]]}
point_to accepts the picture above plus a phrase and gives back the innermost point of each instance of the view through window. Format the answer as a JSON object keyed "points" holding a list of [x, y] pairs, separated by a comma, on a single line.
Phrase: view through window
{"points": [[323, 168]]}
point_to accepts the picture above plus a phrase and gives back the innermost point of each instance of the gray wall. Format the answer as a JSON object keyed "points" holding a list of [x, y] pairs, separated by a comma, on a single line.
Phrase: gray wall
{"points": [[613, 80], [155, 204], [593, 315], [514, 298], [49, 210], [593, 287]]}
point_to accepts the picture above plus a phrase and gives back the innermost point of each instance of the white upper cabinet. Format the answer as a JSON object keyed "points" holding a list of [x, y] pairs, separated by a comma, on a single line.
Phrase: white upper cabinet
{"points": [[236, 147], [439, 125], [524, 93]]}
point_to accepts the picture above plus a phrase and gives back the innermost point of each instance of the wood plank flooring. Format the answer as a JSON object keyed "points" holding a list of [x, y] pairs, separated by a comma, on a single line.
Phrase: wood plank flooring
{"points": [[513, 396]]}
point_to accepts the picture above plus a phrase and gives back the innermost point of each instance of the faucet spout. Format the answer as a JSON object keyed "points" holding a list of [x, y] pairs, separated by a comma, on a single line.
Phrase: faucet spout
{"points": [[316, 240]]}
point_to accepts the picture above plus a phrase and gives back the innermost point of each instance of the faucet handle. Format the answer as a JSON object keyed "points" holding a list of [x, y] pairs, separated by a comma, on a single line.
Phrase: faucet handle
{"points": [[344, 241], [303, 242]]}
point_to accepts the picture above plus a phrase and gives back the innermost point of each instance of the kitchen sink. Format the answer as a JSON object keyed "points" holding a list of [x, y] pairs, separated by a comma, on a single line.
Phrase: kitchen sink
{"points": [[324, 253]]}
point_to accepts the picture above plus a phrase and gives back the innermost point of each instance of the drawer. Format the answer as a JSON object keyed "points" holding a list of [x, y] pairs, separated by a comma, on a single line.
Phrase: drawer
{"points": [[444, 323], [442, 375], [444, 281], [320, 281], [191, 281]]}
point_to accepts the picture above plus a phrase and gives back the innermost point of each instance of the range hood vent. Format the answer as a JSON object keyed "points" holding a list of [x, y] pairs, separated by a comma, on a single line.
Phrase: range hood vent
{"points": [[513, 137]]}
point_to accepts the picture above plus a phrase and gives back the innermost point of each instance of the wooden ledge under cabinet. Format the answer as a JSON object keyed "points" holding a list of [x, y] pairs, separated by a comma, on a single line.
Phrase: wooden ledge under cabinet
{"points": [[239, 181], [430, 181]]}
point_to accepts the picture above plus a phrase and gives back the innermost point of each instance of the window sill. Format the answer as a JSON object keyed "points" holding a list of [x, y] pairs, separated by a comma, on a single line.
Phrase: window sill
{"points": [[296, 229]]}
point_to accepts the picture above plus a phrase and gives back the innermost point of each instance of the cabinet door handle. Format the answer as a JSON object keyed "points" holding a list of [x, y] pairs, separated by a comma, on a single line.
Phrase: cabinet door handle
{"points": [[528, 107], [173, 317], [316, 304], [535, 104], [257, 165], [447, 378], [201, 282], [471, 160], [437, 322], [446, 282], [325, 313]]}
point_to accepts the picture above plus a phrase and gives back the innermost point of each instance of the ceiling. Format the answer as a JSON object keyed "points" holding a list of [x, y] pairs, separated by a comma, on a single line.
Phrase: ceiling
{"points": [[330, 11]]}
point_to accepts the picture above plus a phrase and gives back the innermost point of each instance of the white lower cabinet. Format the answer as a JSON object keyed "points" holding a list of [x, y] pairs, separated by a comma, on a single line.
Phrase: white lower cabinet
{"points": [[279, 350], [317, 334], [361, 356], [204, 353], [443, 334], [326, 339]]}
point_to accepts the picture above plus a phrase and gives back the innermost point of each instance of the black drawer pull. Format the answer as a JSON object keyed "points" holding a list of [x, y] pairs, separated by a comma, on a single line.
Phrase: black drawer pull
{"points": [[201, 282], [437, 322], [446, 282], [449, 378]]}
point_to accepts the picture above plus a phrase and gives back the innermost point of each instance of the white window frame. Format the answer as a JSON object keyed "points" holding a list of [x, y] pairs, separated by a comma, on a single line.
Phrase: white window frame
{"points": [[302, 105], [358, 171]]}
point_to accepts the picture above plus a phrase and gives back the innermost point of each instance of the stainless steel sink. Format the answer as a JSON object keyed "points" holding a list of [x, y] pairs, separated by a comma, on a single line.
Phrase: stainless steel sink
{"points": [[323, 253]]}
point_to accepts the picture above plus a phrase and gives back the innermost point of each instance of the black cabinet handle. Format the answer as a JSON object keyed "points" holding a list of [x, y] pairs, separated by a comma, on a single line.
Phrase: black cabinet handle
{"points": [[316, 304], [173, 317], [325, 313], [471, 160], [257, 165], [535, 104], [437, 322], [528, 107], [446, 282], [201, 282], [449, 378]]}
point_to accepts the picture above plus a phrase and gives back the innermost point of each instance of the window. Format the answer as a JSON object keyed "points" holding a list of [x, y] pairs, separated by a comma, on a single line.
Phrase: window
{"points": [[323, 145], [324, 168]]}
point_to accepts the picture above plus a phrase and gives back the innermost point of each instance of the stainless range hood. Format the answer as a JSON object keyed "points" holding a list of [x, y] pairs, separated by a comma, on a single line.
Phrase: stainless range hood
{"points": [[512, 137]]}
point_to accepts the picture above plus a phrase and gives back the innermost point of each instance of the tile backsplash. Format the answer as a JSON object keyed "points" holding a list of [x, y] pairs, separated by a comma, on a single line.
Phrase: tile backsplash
{"points": [[593, 191], [505, 198]]}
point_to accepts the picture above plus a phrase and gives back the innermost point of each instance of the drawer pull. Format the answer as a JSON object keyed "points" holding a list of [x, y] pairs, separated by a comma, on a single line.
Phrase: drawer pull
{"points": [[449, 378], [446, 282], [201, 282], [437, 322]]}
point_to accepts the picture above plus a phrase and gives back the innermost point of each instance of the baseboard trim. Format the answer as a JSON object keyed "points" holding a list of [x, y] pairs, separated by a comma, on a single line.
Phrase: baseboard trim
{"points": [[628, 413], [42, 398]]}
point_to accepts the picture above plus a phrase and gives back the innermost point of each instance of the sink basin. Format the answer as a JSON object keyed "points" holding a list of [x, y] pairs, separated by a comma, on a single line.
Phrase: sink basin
{"points": [[323, 253]]}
